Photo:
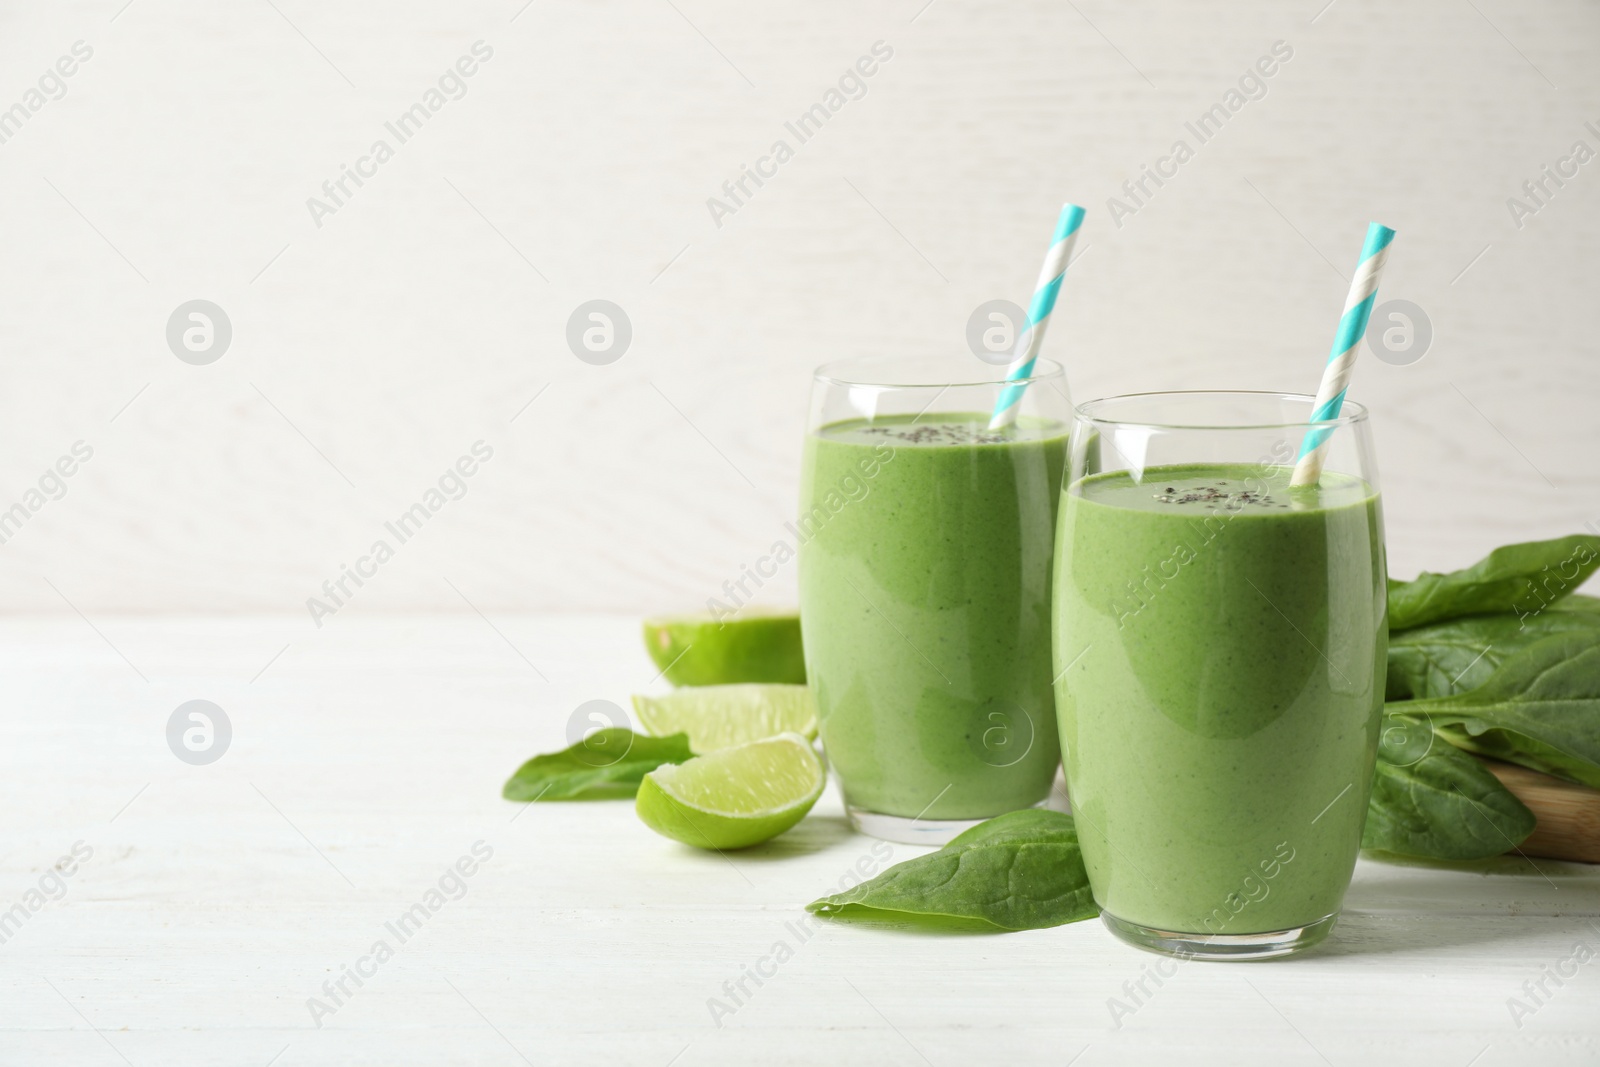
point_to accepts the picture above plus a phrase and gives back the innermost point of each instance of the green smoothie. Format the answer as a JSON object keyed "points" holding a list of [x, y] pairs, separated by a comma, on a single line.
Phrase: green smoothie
{"points": [[925, 610], [1222, 689]]}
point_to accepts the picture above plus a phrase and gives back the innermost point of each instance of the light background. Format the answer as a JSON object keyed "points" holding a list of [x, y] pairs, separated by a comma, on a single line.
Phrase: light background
{"points": [[369, 353]]}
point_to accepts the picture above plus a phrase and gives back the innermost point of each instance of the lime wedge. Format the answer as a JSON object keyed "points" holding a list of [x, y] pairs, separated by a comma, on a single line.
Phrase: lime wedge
{"points": [[737, 797], [721, 716], [699, 650]]}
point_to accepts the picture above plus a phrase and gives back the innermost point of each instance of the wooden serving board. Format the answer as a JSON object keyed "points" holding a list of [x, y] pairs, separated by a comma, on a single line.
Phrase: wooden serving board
{"points": [[1568, 814]]}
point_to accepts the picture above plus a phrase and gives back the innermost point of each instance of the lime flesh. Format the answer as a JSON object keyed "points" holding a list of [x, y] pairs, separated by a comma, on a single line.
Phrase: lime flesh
{"points": [[721, 716]]}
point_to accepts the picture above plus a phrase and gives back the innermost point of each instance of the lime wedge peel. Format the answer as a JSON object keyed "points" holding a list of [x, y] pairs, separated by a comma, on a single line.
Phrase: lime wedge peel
{"points": [[704, 650], [735, 797], [721, 716]]}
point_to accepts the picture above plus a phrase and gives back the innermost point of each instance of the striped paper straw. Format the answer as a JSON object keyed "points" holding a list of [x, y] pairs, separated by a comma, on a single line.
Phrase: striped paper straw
{"points": [[1044, 301], [1342, 358]]}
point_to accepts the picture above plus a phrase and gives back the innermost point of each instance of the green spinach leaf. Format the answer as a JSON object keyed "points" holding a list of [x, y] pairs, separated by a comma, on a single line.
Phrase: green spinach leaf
{"points": [[1577, 602], [608, 763], [1523, 578], [1431, 800], [1540, 708], [1446, 658], [1020, 871]]}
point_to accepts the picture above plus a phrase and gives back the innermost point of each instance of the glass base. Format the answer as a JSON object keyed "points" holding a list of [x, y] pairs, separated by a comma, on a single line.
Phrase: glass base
{"points": [[907, 831], [1216, 947]]}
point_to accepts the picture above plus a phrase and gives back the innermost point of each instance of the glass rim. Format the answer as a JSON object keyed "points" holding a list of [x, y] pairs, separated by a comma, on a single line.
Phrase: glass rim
{"points": [[832, 373], [1350, 411]]}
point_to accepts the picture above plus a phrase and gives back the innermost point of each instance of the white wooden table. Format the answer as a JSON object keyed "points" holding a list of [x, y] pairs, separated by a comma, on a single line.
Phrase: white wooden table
{"points": [[368, 758]]}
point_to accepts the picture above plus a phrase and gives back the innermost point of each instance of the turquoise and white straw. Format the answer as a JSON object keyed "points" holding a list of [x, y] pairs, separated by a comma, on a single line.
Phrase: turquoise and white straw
{"points": [[1044, 301], [1342, 359]]}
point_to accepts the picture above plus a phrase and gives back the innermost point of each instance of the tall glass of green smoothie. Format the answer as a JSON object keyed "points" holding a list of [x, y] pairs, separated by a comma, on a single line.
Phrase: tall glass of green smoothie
{"points": [[1219, 641], [925, 544]]}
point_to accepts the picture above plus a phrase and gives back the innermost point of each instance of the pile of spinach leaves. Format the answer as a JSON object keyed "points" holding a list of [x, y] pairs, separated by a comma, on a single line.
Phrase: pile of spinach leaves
{"points": [[1500, 659]]}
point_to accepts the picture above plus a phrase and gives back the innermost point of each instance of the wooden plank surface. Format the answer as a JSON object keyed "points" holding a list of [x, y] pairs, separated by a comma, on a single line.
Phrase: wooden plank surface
{"points": [[371, 351], [367, 759]]}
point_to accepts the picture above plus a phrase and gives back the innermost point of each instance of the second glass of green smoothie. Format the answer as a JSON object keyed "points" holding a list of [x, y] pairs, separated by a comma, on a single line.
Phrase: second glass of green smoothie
{"points": [[925, 544], [1220, 641]]}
